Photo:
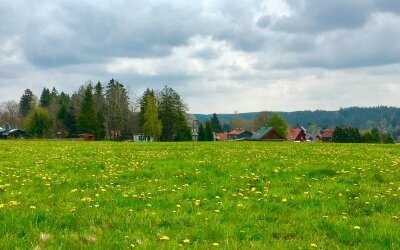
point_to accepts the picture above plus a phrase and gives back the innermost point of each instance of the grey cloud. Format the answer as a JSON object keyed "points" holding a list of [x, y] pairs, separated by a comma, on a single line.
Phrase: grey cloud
{"points": [[318, 16]]}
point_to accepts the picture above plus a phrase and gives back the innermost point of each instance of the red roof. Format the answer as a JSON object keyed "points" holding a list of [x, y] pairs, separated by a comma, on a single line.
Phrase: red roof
{"points": [[327, 133], [236, 132], [222, 136]]}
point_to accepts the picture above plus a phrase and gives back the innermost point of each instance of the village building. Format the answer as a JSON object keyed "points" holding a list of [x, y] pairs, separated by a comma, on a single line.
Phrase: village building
{"points": [[296, 134], [221, 136], [239, 134], [326, 135], [267, 134], [14, 134], [86, 137], [140, 137]]}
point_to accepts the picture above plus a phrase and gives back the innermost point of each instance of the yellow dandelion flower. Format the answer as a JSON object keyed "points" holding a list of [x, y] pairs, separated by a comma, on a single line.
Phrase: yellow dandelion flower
{"points": [[356, 227], [284, 200], [2, 205], [186, 241], [32, 207], [395, 217], [215, 244], [313, 245], [164, 238]]}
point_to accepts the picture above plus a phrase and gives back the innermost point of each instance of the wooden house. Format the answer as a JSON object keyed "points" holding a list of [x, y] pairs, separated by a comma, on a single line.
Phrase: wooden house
{"points": [[267, 134], [327, 135], [296, 134]]}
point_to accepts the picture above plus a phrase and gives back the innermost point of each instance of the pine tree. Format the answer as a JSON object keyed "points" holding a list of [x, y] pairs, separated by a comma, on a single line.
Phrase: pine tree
{"points": [[215, 124], [172, 116], [45, 98], [152, 125], [87, 119], [209, 135], [100, 106], [26, 103], [201, 136]]}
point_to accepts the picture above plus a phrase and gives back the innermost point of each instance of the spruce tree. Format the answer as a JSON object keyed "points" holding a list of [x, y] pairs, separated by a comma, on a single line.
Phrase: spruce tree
{"points": [[172, 116], [26, 103], [208, 132], [201, 136], [45, 98], [87, 119], [215, 124]]}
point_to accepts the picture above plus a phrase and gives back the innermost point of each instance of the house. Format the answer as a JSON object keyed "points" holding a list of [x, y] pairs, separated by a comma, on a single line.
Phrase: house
{"points": [[326, 135], [267, 134], [238, 134], [296, 134], [14, 134], [221, 136]]}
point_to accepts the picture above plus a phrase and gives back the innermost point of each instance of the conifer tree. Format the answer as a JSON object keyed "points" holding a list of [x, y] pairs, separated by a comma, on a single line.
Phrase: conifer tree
{"points": [[215, 124], [87, 119], [201, 136], [209, 135]]}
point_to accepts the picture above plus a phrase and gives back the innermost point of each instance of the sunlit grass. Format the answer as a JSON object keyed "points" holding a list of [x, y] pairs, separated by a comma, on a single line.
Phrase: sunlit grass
{"points": [[105, 195]]}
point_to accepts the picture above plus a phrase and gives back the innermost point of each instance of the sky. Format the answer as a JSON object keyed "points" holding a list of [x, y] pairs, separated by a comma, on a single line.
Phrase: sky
{"points": [[221, 56]]}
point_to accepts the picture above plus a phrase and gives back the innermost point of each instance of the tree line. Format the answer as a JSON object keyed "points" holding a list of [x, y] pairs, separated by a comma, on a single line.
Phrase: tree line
{"points": [[106, 111], [348, 134]]}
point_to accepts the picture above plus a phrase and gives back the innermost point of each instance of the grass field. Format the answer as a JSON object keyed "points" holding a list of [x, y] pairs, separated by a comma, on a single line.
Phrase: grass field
{"points": [[243, 195]]}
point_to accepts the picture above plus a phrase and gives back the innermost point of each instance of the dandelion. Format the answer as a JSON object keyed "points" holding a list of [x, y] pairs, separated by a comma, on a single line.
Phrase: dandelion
{"points": [[2, 205], [215, 244], [186, 241], [164, 238], [74, 190], [395, 217], [284, 200], [356, 227], [32, 207], [313, 245], [14, 203], [178, 206]]}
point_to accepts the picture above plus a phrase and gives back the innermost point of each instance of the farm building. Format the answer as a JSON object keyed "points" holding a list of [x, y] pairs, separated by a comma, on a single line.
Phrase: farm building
{"points": [[296, 134], [267, 134], [237, 134]]}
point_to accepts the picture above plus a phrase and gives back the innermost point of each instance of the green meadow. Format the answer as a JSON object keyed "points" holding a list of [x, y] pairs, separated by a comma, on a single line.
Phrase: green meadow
{"points": [[233, 195]]}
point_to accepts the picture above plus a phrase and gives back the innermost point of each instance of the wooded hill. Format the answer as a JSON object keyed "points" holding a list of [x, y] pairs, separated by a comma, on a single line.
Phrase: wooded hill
{"points": [[383, 117]]}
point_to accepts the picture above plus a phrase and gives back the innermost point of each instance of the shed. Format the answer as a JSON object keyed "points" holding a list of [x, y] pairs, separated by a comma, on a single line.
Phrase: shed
{"points": [[86, 137]]}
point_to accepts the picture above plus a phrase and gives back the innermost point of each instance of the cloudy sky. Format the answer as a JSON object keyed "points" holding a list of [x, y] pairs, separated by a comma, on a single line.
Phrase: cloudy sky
{"points": [[220, 55]]}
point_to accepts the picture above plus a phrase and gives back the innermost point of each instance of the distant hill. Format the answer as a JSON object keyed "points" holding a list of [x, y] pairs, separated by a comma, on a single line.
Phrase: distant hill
{"points": [[387, 118]]}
